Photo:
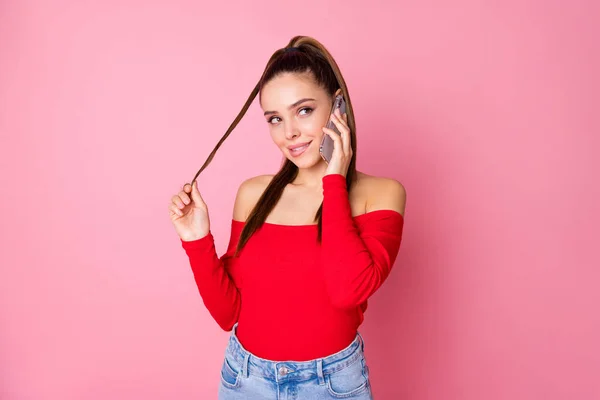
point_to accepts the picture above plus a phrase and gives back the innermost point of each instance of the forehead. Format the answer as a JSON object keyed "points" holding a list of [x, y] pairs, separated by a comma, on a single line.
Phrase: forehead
{"points": [[288, 88]]}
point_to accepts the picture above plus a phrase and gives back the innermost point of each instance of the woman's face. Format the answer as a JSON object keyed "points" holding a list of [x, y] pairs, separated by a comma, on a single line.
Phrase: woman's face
{"points": [[296, 110]]}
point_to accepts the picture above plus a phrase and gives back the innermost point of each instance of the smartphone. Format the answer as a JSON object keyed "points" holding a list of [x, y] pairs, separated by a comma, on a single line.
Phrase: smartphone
{"points": [[326, 148]]}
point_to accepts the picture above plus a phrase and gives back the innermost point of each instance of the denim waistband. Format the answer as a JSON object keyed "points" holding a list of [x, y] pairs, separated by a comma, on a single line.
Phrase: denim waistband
{"points": [[292, 370]]}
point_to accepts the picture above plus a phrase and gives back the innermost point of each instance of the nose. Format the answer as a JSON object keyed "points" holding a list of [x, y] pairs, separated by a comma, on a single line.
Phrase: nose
{"points": [[291, 131]]}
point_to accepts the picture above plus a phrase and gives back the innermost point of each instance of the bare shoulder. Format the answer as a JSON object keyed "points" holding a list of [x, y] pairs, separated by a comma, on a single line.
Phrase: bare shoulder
{"points": [[248, 194], [383, 193]]}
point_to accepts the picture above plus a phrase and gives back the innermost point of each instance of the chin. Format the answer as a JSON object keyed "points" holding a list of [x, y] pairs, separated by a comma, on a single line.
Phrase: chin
{"points": [[307, 160]]}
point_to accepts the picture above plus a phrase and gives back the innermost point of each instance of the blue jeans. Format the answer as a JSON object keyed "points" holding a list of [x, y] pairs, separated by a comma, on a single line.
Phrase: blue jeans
{"points": [[342, 375]]}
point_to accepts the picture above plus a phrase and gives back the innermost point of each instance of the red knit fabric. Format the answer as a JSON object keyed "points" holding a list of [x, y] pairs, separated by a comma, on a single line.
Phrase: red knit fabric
{"points": [[293, 298]]}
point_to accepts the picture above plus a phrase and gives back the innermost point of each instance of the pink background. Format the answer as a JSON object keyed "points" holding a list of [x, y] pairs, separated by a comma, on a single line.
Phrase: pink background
{"points": [[486, 111]]}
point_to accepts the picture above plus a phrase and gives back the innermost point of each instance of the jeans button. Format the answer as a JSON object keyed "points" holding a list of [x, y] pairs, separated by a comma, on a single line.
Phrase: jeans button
{"points": [[283, 370]]}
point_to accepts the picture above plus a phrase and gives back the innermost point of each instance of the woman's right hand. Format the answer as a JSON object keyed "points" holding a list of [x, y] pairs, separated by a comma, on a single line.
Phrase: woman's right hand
{"points": [[189, 215]]}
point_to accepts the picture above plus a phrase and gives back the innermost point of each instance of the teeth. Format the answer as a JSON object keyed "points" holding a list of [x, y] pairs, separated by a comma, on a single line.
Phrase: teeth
{"points": [[300, 148]]}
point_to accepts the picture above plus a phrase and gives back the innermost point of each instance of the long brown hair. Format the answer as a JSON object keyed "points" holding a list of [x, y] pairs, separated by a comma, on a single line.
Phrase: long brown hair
{"points": [[311, 57]]}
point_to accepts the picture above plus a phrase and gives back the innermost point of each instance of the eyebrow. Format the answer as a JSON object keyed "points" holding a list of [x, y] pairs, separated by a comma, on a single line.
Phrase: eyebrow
{"points": [[290, 107]]}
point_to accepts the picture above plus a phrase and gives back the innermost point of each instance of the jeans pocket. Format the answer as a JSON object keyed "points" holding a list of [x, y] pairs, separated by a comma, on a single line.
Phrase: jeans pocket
{"points": [[230, 373], [349, 381]]}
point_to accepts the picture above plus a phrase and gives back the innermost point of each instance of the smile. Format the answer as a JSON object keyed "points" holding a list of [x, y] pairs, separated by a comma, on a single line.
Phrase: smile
{"points": [[299, 150]]}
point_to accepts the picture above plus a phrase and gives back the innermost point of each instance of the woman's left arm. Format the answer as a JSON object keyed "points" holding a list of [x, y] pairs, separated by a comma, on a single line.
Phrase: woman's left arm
{"points": [[357, 262]]}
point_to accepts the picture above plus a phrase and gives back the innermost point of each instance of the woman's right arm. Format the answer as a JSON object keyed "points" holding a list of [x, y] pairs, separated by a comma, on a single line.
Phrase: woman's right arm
{"points": [[215, 277]]}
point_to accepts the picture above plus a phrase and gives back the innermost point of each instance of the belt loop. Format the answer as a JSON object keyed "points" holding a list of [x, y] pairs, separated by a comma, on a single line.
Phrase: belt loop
{"points": [[245, 372], [320, 371]]}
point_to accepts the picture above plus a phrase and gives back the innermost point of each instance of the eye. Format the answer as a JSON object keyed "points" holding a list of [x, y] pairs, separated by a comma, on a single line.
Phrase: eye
{"points": [[308, 109]]}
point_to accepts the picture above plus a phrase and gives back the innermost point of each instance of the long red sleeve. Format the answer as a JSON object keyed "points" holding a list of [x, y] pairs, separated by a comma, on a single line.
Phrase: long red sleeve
{"points": [[293, 298], [355, 263], [214, 277]]}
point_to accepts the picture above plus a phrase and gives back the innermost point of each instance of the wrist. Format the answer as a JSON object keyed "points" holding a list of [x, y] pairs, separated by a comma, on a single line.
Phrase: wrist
{"points": [[193, 238]]}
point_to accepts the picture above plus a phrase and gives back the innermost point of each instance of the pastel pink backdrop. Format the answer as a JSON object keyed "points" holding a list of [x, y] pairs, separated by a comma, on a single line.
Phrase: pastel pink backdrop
{"points": [[485, 111]]}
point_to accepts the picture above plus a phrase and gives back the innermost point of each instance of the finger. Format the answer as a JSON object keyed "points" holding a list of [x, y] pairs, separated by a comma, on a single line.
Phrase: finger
{"points": [[337, 140], [339, 121], [340, 116], [334, 135], [196, 196], [174, 210], [184, 197], [344, 133], [341, 124], [347, 139], [177, 201]]}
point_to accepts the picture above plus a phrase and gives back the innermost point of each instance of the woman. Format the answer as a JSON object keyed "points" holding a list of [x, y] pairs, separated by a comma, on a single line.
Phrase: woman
{"points": [[291, 291]]}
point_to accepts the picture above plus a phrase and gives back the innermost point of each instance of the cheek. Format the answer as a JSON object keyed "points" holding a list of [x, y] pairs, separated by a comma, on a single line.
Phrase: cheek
{"points": [[313, 127], [277, 137]]}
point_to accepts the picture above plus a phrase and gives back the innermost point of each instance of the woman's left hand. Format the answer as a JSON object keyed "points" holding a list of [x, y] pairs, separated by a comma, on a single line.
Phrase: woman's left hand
{"points": [[342, 151]]}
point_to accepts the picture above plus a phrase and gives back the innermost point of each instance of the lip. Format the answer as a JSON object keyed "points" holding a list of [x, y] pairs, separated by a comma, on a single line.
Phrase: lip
{"points": [[298, 145]]}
